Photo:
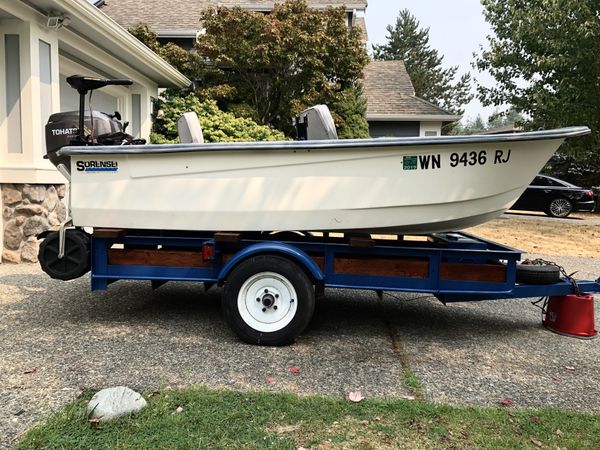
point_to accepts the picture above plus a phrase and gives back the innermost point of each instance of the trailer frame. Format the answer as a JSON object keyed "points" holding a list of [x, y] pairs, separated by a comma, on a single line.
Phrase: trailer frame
{"points": [[453, 266]]}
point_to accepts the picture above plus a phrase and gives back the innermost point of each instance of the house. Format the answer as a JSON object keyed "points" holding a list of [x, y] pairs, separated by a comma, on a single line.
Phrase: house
{"points": [[393, 109], [41, 43], [180, 21]]}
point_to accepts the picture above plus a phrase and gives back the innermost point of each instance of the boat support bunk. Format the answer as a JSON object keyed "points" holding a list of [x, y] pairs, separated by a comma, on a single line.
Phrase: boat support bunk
{"points": [[271, 279]]}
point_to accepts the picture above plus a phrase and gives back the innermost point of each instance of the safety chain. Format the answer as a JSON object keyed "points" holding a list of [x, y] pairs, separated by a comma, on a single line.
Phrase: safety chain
{"points": [[543, 262]]}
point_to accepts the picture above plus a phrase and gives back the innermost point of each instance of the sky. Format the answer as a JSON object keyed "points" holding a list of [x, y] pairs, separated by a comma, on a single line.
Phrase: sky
{"points": [[456, 29]]}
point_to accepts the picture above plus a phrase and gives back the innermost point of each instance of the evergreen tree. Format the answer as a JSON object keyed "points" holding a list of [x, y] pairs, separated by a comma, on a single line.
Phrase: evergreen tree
{"points": [[408, 42], [474, 126], [502, 119]]}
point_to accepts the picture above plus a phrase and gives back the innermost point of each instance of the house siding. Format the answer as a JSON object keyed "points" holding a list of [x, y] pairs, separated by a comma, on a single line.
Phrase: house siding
{"points": [[394, 129], [34, 62]]}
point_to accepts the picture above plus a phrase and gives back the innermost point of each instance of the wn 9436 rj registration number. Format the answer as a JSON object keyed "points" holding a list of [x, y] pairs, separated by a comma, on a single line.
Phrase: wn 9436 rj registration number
{"points": [[478, 158]]}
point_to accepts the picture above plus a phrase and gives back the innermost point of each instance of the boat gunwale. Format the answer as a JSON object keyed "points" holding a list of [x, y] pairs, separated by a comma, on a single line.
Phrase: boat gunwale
{"points": [[559, 133]]}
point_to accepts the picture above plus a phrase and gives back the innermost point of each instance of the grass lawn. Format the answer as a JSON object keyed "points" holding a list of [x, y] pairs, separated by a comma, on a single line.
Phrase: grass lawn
{"points": [[226, 419]]}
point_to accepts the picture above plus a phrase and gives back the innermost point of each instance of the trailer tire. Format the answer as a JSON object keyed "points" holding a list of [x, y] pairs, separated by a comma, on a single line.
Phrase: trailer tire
{"points": [[537, 274], [268, 300], [76, 261]]}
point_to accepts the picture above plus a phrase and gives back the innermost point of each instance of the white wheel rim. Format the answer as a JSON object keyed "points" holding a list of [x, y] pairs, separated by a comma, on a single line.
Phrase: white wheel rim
{"points": [[255, 297], [560, 207]]}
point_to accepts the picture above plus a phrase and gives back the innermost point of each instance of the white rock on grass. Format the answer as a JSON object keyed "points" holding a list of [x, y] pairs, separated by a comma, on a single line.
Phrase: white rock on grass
{"points": [[114, 402]]}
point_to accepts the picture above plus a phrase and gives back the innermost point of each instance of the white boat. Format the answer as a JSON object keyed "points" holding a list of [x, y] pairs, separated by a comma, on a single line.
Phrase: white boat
{"points": [[400, 185]]}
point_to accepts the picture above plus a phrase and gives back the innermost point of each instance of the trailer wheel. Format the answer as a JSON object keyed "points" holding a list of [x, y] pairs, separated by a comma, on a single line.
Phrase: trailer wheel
{"points": [[268, 300], [75, 262], [537, 274]]}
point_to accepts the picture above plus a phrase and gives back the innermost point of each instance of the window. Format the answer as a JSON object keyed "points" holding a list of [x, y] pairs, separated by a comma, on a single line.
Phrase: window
{"points": [[45, 83], [557, 183], [136, 114], [545, 181], [12, 63]]}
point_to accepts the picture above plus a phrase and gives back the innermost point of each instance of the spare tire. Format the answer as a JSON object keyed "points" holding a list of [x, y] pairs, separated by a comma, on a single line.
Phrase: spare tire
{"points": [[537, 274], [76, 260]]}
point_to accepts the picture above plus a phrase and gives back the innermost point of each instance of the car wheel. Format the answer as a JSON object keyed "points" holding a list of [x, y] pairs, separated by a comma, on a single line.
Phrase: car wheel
{"points": [[559, 207], [268, 300]]}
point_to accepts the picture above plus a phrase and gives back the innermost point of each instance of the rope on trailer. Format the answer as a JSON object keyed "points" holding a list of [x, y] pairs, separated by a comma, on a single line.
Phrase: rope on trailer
{"points": [[544, 262]]}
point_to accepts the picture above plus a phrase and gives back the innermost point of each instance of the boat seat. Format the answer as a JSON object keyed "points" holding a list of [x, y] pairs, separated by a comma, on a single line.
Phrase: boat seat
{"points": [[319, 122], [189, 129]]}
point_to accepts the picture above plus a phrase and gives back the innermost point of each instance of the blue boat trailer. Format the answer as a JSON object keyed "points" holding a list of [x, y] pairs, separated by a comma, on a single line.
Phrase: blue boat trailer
{"points": [[270, 279]]}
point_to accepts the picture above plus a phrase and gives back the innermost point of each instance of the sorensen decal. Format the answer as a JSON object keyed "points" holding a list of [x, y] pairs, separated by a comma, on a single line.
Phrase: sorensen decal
{"points": [[97, 166]]}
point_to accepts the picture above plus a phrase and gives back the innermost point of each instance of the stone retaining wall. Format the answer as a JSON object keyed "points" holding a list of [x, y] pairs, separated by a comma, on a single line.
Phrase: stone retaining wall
{"points": [[27, 210]]}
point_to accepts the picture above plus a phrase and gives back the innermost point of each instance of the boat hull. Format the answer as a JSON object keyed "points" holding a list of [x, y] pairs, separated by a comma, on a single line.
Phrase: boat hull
{"points": [[423, 187]]}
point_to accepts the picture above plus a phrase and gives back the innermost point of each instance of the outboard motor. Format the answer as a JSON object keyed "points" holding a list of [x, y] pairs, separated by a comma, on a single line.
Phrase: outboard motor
{"points": [[79, 128], [65, 254], [63, 128]]}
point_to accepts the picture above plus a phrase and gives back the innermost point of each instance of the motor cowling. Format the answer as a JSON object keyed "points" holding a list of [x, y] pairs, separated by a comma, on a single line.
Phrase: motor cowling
{"points": [[63, 127]]}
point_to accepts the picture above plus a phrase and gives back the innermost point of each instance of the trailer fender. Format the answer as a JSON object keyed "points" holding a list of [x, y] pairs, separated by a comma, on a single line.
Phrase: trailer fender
{"points": [[277, 248]]}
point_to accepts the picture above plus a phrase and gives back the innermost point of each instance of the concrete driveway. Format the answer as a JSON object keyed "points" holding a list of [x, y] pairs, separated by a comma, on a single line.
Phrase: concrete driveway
{"points": [[469, 353]]}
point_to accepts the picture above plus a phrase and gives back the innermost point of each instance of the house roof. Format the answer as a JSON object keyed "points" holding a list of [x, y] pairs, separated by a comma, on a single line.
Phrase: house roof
{"points": [[362, 25], [391, 95], [184, 15], [88, 22]]}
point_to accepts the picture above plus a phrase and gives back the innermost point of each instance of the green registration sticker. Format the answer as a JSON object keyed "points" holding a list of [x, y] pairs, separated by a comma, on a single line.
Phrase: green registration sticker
{"points": [[409, 163]]}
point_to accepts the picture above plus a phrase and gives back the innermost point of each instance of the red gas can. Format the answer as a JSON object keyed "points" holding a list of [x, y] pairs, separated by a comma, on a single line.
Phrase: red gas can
{"points": [[571, 315]]}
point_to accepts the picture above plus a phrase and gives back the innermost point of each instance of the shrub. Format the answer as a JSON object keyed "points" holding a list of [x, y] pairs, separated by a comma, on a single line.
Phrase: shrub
{"points": [[217, 126]]}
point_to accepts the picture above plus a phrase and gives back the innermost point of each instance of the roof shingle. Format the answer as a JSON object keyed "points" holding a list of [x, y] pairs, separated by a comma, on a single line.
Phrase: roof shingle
{"points": [[362, 26], [184, 15], [389, 91]]}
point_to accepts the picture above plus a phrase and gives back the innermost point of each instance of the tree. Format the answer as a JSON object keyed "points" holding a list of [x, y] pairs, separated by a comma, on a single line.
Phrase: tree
{"points": [[498, 119], [275, 65], [545, 58], [188, 63], [217, 126], [474, 126], [408, 42], [349, 109], [501, 119]]}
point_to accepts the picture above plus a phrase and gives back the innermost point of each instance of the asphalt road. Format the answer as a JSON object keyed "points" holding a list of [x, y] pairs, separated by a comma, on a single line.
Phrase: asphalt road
{"points": [[467, 353]]}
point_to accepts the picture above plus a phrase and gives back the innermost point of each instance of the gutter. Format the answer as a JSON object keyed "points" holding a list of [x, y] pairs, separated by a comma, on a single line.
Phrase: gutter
{"points": [[269, 6], [89, 14], [413, 117], [189, 34]]}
